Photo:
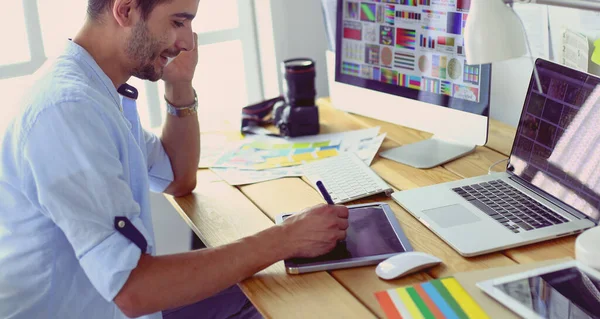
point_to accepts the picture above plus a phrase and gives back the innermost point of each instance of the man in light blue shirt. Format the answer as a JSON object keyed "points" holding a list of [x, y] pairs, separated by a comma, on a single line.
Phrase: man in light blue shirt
{"points": [[76, 238]]}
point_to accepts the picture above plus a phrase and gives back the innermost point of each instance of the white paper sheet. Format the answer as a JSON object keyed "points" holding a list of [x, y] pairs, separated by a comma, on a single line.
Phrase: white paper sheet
{"points": [[266, 152], [574, 50], [234, 176], [535, 19], [367, 148], [213, 146]]}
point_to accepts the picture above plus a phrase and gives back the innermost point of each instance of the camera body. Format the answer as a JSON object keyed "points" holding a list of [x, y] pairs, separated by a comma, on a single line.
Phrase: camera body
{"points": [[296, 121], [298, 116]]}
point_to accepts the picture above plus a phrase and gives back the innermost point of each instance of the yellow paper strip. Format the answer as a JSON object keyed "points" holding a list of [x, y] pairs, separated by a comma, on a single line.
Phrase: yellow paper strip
{"points": [[327, 153], [409, 303], [302, 157], [468, 305]]}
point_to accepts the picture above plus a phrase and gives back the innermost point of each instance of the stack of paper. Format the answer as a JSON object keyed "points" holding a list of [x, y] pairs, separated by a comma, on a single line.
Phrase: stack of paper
{"points": [[261, 158]]}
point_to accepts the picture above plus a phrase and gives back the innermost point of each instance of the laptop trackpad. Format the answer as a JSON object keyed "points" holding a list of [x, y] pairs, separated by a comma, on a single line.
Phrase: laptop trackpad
{"points": [[450, 216]]}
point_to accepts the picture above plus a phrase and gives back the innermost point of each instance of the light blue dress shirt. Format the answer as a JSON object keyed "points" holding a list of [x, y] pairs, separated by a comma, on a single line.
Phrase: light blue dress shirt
{"points": [[74, 159]]}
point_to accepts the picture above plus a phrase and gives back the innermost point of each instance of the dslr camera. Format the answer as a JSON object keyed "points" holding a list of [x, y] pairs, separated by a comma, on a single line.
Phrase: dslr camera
{"points": [[298, 116]]}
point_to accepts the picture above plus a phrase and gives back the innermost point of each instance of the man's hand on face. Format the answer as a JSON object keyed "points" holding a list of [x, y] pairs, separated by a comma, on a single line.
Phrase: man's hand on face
{"points": [[316, 231], [182, 68]]}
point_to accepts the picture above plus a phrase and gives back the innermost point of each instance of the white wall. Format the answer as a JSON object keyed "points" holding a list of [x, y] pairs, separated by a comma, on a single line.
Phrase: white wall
{"points": [[509, 86], [297, 30]]}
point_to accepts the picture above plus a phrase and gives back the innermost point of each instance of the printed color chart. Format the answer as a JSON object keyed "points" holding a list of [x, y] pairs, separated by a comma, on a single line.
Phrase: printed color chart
{"points": [[471, 74], [367, 12], [410, 42], [443, 298], [405, 39], [409, 81], [264, 155]]}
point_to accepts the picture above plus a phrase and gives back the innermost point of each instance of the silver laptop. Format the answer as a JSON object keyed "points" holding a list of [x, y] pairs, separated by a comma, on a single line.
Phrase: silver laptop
{"points": [[551, 185]]}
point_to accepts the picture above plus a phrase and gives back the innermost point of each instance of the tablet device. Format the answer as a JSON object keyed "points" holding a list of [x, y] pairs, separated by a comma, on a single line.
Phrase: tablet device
{"points": [[373, 235], [566, 290]]}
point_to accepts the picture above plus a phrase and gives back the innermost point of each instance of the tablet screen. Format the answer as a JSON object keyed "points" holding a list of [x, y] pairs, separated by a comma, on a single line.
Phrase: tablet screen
{"points": [[369, 234], [567, 293]]}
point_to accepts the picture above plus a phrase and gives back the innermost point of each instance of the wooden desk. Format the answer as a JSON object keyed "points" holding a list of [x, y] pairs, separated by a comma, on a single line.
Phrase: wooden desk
{"points": [[219, 213]]}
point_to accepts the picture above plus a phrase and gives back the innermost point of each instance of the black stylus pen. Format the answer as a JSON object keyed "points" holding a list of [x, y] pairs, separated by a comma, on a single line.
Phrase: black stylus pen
{"points": [[324, 193]]}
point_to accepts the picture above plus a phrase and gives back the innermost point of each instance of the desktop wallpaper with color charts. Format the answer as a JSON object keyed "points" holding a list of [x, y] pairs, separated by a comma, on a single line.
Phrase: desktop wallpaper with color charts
{"points": [[418, 44]]}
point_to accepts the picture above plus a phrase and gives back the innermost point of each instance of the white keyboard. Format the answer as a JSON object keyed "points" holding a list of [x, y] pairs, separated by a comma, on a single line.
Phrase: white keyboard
{"points": [[346, 178]]}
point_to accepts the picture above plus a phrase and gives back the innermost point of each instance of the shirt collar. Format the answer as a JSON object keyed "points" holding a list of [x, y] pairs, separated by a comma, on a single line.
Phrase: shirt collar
{"points": [[78, 53]]}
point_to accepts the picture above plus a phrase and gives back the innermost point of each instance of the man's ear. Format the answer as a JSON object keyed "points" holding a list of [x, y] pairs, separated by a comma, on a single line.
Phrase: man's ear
{"points": [[125, 12]]}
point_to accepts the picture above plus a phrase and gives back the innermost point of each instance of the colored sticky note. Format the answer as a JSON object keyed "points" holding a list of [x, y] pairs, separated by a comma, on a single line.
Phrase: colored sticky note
{"points": [[327, 153], [282, 146], [301, 145], [303, 150], [321, 144], [287, 164], [302, 157], [272, 162], [258, 145], [596, 54]]}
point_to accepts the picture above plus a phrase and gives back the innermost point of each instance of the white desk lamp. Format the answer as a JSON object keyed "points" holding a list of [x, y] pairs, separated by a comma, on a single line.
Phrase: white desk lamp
{"points": [[494, 32]]}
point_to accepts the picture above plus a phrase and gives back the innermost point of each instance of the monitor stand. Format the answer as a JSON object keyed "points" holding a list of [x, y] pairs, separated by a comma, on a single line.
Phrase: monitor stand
{"points": [[428, 153]]}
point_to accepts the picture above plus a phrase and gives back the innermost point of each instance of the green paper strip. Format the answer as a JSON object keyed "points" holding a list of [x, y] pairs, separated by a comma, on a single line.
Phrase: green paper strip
{"points": [[439, 286], [414, 295]]}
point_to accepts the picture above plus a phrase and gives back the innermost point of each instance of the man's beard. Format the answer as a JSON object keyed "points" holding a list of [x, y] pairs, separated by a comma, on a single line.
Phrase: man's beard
{"points": [[144, 49]]}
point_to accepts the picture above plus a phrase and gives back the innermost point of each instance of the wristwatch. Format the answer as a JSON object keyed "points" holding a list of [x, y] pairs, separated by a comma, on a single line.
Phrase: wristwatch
{"points": [[183, 111]]}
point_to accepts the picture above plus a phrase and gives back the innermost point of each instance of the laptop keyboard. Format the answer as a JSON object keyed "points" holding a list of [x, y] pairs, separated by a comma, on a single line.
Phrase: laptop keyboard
{"points": [[509, 206]]}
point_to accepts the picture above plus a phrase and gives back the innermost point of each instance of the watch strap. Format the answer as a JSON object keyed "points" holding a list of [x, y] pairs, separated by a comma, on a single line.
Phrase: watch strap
{"points": [[182, 111]]}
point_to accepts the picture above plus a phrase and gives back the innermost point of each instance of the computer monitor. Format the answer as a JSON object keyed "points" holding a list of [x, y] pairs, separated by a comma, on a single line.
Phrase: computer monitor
{"points": [[403, 61]]}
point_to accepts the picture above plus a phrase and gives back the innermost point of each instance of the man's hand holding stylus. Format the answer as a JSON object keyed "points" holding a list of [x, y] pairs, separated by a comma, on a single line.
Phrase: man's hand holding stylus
{"points": [[315, 231]]}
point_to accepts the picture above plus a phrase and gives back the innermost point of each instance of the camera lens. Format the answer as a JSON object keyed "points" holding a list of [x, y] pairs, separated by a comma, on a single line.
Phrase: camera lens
{"points": [[299, 84]]}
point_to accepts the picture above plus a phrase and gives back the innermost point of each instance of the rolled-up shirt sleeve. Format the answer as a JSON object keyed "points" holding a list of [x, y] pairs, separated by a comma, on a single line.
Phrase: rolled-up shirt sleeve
{"points": [[160, 171], [75, 169]]}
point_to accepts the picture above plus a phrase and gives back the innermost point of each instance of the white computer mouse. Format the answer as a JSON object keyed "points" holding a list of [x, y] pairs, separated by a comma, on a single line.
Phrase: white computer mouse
{"points": [[404, 264]]}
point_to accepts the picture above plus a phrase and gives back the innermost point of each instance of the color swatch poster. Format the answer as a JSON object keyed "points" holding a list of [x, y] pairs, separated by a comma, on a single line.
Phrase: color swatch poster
{"points": [[417, 41], [436, 299]]}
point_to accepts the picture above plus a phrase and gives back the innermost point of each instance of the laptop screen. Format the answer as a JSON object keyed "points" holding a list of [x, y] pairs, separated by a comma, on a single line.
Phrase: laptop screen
{"points": [[556, 146]]}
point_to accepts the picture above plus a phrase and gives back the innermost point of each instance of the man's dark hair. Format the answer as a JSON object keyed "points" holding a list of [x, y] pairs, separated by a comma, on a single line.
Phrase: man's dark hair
{"points": [[97, 7]]}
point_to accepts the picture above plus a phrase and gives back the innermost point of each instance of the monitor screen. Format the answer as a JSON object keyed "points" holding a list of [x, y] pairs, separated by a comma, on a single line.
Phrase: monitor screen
{"points": [[413, 49], [556, 146]]}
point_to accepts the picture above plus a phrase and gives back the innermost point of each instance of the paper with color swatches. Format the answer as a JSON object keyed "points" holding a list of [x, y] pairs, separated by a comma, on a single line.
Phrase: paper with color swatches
{"points": [[442, 298]]}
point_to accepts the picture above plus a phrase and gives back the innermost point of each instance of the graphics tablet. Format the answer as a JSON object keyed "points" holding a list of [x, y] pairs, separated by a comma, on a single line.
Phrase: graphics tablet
{"points": [[567, 290], [373, 235]]}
